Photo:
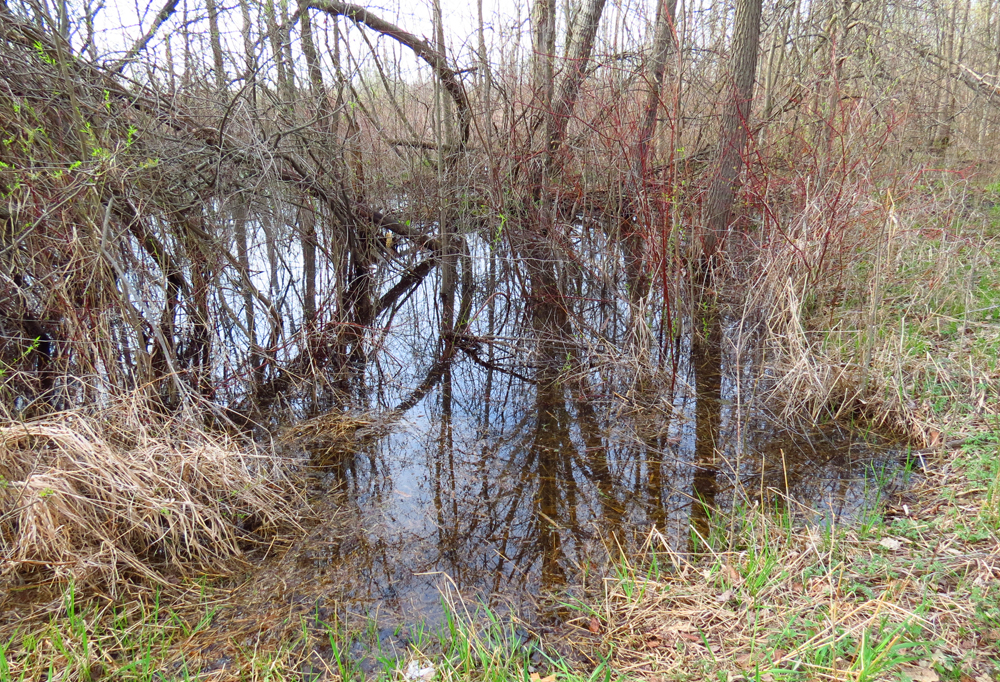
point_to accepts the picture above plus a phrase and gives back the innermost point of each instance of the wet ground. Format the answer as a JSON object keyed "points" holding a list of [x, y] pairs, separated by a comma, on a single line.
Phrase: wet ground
{"points": [[500, 450]]}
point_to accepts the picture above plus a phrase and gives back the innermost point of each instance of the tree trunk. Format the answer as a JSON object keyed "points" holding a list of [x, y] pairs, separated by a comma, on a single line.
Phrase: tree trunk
{"points": [[307, 216], [484, 64], [307, 227], [444, 138], [286, 50], [942, 135], [240, 219], [248, 49], [579, 57], [274, 34], [216, 41], [543, 43], [735, 128], [636, 202], [663, 47], [776, 57]]}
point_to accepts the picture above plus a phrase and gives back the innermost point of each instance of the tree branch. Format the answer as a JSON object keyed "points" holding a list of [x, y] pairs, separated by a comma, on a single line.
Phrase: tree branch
{"points": [[140, 45], [420, 47]]}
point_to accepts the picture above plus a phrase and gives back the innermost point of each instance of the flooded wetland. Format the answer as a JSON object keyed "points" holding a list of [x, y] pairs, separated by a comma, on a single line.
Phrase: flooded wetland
{"points": [[513, 486], [590, 341]]}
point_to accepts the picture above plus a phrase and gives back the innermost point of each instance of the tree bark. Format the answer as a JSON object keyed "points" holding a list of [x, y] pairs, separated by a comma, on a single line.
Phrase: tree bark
{"points": [[248, 49], [543, 43], [446, 177], [307, 216], [274, 34], [307, 227], [579, 56], [663, 47], [216, 41], [735, 128]]}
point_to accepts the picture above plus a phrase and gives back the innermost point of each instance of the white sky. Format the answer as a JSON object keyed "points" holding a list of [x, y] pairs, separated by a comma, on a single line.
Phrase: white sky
{"points": [[121, 22]]}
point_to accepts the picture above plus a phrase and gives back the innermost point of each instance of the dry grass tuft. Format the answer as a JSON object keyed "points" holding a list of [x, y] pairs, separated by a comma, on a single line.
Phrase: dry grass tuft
{"points": [[328, 436], [101, 497], [897, 326]]}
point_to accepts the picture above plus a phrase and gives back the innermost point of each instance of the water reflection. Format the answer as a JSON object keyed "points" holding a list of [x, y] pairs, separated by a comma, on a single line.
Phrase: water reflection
{"points": [[706, 360], [504, 488]]}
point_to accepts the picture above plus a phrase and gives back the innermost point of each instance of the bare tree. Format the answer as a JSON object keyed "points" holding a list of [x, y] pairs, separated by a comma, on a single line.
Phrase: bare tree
{"points": [[280, 206]]}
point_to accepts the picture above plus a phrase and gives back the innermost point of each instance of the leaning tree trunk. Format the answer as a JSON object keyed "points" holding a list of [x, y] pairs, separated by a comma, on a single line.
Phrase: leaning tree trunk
{"points": [[579, 58], [735, 129], [535, 241]]}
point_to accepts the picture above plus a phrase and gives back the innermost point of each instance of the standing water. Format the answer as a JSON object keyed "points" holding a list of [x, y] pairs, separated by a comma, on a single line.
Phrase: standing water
{"points": [[503, 486]]}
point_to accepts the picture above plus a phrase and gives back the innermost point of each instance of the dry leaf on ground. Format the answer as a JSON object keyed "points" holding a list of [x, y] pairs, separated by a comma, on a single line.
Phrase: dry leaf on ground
{"points": [[890, 543], [919, 673], [535, 677]]}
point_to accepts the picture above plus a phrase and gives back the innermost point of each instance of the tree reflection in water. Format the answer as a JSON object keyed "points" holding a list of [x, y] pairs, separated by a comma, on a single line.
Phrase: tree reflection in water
{"points": [[511, 485], [706, 360]]}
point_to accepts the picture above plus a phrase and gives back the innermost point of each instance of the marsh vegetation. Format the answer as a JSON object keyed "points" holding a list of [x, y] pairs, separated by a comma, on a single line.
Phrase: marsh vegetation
{"points": [[599, 341]]}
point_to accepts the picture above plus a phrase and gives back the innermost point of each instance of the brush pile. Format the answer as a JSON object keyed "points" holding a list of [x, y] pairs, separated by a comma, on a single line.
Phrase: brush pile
{"points": [[100, 499]]}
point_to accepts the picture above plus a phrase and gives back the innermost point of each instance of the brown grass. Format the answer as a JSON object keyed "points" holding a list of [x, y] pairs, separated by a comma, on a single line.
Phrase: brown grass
{"points": [[890, 330], [776, 601], [329, 437], [99, 497]]}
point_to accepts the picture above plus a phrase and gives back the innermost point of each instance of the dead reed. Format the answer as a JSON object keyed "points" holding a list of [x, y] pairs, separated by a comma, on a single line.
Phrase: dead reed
{"points": [[896, 328], [114, 495]]}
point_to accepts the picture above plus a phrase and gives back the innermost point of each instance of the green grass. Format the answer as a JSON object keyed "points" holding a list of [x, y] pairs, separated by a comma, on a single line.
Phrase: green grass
{"points": [[87, 641], [767, 599], [150, 644]]}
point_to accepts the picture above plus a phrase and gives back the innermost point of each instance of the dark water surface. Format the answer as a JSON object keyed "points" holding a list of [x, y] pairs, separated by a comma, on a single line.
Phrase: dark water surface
{"points": [[499, 489]]}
